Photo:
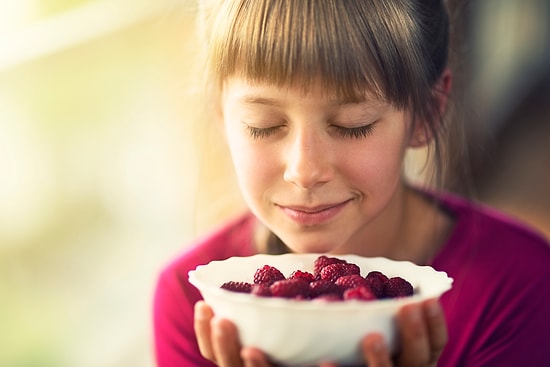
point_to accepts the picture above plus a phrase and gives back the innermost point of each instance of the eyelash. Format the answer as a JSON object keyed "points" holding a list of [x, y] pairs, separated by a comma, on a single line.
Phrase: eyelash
{"points": [[345, 132], [355, 132], [259, 133]]}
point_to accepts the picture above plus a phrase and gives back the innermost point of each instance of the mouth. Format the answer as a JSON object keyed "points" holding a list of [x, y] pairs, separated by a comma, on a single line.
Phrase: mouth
{"points": [[313, 215]]}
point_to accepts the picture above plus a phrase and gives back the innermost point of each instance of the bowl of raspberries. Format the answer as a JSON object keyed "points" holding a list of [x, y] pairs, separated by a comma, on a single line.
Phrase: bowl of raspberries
{"points": [[304, 309]]}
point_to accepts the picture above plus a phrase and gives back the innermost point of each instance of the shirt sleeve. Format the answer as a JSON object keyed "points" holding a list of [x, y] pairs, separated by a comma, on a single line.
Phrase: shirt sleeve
{"points": [[174, 336]]}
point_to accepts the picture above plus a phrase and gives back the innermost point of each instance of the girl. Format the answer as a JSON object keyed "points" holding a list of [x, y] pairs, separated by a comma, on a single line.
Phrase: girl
{"points": [[320, 101]]}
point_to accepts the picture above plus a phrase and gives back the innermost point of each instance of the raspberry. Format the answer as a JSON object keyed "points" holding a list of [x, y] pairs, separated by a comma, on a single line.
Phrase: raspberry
{"points": [[290, 288], [353, 268], [267, 274], [351, 281], [377, 275], [333, 279], [323, 287], [323, 261], [299, 274], [241, 287], [359, 293], [261, 290], [398, 287], [376, 281], [334, 271]]}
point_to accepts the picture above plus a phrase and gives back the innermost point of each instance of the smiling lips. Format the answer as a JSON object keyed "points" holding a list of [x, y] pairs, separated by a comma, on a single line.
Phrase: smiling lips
{"points": [[310, 216]]}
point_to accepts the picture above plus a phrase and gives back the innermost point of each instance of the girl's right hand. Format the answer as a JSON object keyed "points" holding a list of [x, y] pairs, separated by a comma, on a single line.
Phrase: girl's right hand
{"points": [[218, 341]]}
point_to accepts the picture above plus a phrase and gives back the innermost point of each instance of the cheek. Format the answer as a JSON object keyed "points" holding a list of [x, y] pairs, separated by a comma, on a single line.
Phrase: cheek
{"points": [[374, 164], [253, 166]]}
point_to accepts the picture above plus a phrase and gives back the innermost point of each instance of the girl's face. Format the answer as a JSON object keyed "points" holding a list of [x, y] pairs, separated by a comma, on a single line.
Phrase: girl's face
{"points": [[321, 173]]}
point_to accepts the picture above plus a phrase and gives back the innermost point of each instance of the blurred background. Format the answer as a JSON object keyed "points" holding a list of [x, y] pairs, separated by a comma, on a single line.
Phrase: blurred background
{"points": [[98, 174], [105, 174], [506, 97]]}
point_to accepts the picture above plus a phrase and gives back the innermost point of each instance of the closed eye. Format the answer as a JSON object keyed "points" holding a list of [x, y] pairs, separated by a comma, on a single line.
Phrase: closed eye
{"points": [[260, 133], [355, 132]]}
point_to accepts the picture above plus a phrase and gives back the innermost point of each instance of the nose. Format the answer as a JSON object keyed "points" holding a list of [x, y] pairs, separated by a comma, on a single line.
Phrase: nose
{"points": [[308, 160]]}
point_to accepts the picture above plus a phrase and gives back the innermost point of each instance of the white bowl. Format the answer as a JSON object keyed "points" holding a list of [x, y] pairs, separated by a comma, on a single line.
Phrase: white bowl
{"points": [[306, 332]]}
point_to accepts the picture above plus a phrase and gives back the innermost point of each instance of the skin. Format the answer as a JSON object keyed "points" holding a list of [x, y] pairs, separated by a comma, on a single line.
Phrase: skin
{"points": [[325, 175]]}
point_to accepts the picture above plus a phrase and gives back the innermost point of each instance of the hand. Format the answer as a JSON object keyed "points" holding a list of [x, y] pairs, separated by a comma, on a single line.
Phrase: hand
{"points": [[219, 342], [423, 335]]}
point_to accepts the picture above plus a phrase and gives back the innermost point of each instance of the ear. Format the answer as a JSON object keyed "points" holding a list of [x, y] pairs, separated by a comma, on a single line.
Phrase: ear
{"points": [[422, 134]]}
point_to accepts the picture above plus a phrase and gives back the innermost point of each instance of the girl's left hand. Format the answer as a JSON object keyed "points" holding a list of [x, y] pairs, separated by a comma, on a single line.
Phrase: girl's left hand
{"points": [[423, 335]]}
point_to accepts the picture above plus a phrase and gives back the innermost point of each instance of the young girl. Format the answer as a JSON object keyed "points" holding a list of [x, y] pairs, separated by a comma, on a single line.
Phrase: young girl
{"points": [[320, 101]]}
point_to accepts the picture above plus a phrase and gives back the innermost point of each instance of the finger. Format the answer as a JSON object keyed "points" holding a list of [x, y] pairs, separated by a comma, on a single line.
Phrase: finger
{"points": [[415, 343], [376, 352], [437, 327], [253, 357], [225, 343], [203, 315]]}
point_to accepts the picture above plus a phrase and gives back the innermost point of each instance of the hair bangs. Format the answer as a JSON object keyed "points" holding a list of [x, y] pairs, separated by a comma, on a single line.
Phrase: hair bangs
{"points": [[300, 42]]}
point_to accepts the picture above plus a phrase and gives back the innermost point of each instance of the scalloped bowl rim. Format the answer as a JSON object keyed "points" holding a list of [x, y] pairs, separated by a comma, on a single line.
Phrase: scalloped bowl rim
{"points": [[196, 278]]}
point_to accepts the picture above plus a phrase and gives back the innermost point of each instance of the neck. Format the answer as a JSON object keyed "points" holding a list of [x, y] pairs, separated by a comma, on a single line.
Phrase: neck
{"points": [[414, 230]]}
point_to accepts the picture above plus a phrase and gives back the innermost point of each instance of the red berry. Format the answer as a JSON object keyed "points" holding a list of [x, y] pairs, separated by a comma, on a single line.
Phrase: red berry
{"points": [[290, 288], [240, 287], [398, 287], [376, 281], [359, 293], [333, 279], [353, 268], [323, 261], [351, 281], [323, 287], [334, 271], [377, 275], [299, 274], [267, 274], [261, 290]]}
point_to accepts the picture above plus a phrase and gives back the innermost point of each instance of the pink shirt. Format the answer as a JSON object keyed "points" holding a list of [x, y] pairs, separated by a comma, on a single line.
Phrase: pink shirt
{"points": [[497, 311]]}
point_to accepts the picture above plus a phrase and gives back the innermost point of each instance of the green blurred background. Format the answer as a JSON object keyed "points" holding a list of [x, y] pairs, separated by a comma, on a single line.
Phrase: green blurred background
{"points": [[98, 174]]}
